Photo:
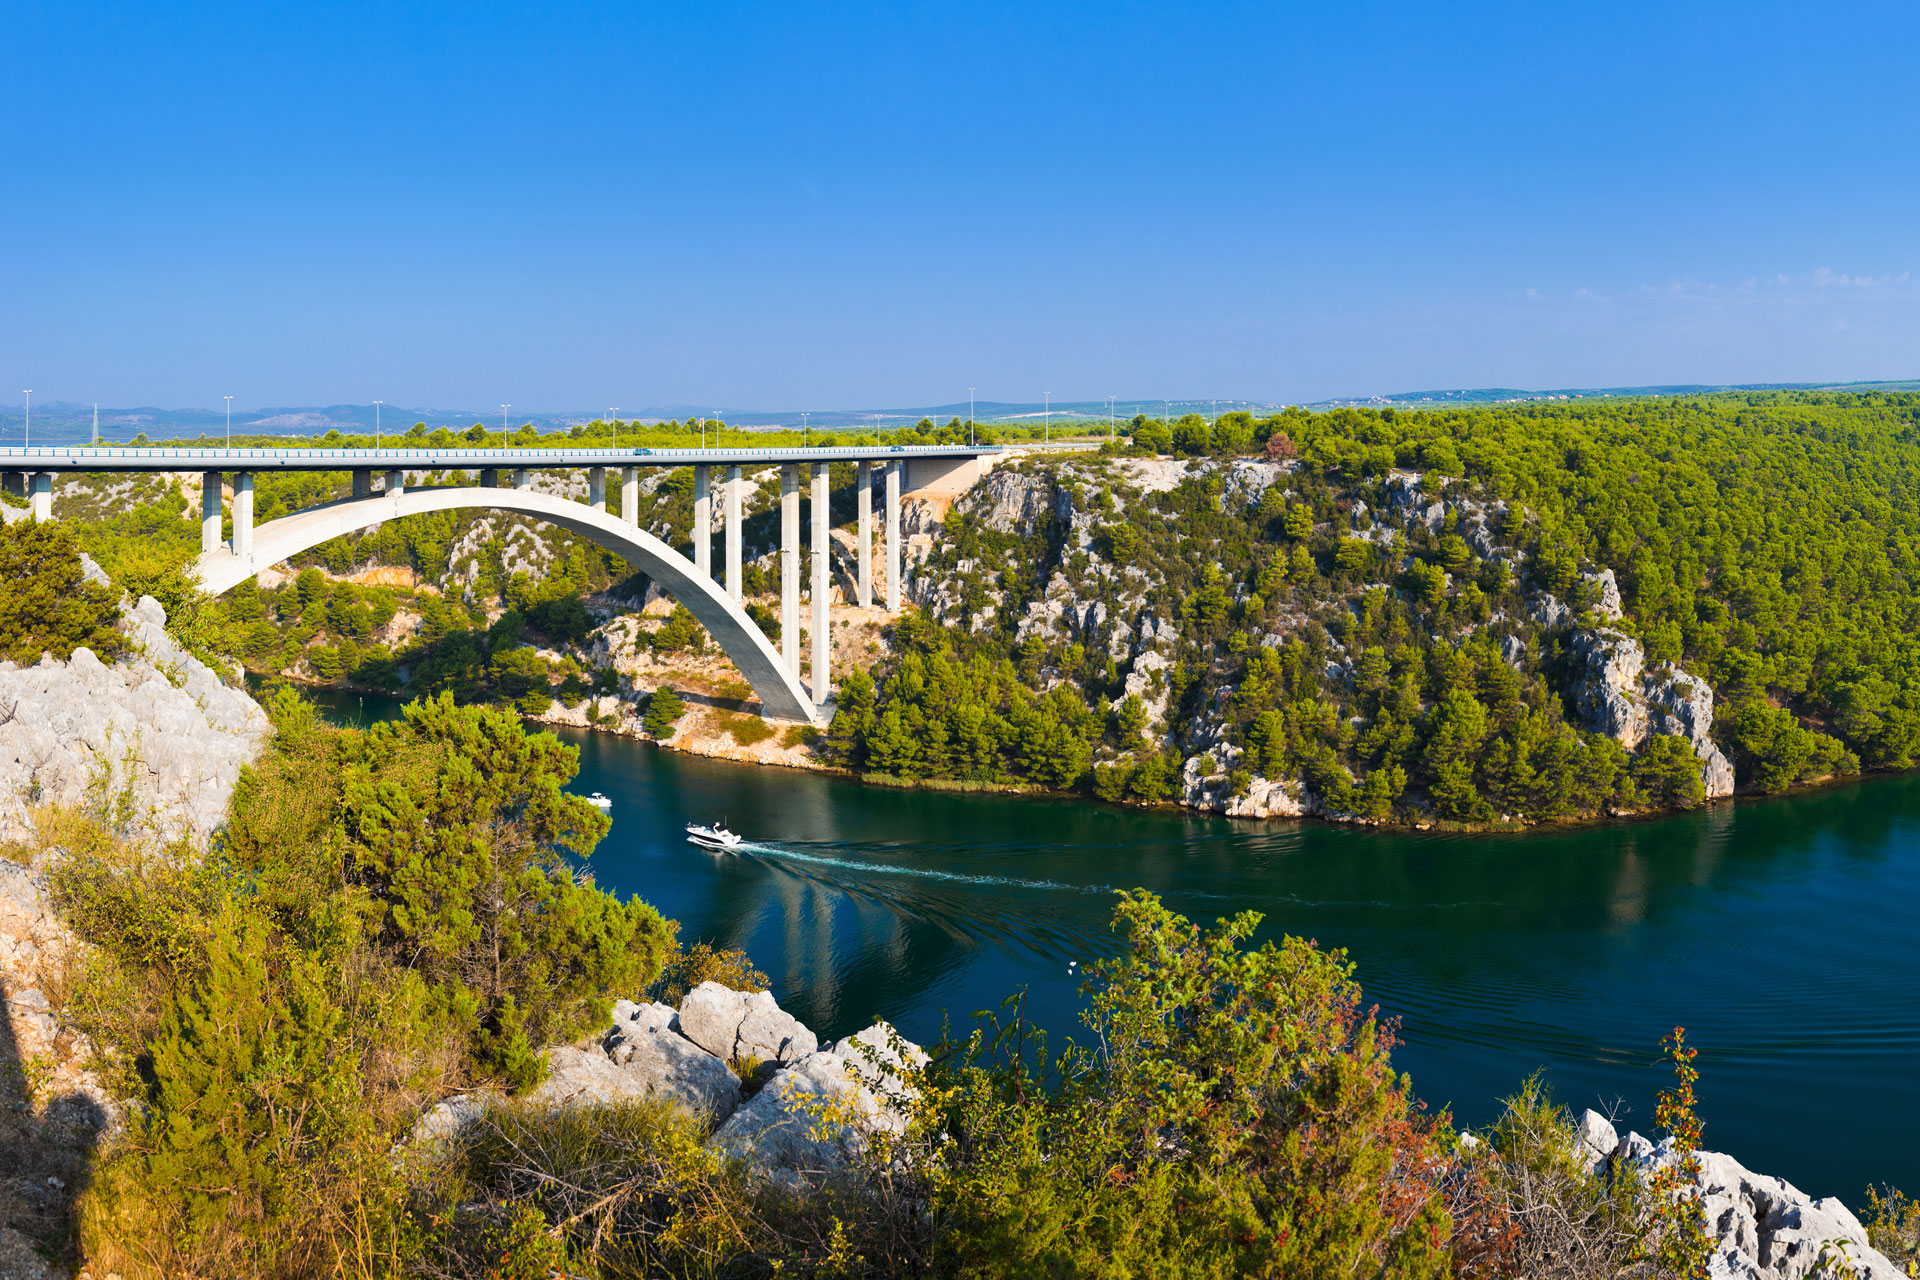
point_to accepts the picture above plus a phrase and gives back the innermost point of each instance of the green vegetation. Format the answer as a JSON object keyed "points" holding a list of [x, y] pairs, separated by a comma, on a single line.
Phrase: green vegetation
{"points": [[390, 915], [47, 605], [1766, 542]]}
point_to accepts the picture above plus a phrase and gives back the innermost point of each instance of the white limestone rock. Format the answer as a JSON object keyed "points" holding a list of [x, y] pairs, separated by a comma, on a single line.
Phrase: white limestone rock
{"points": [[444, 1120], [1618, 697], [63, 722], [1608, 588], [814, 1117], [662, 1063], [1763, 1228], [1010, 502], [1609, 696], [735, 1025]]}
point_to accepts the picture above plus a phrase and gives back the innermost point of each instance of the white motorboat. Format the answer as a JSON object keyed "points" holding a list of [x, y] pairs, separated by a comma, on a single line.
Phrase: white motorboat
{"points": [[714, 837], [599, 801]]}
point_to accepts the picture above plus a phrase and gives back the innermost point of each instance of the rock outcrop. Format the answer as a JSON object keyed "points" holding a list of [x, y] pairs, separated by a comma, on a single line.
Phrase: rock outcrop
{"points": [[161, 728], [815, 1117], [811, 1116], [1763, 1228], [1617, 696], [736, 1025]]}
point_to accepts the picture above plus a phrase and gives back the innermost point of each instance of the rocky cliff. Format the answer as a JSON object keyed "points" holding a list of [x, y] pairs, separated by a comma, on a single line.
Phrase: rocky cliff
{"points": [[1090, 592], [158, 739]]}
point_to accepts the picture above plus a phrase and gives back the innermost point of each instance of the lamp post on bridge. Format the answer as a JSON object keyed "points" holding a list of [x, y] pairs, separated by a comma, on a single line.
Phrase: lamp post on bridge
{"points": [[970, 439], [803, 429], [229, 400], [28, 437], [503, 424], [612, 411], [376, 423]]}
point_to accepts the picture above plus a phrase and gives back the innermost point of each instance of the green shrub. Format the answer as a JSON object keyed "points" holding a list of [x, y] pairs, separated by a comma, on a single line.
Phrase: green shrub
{"points": [[46, 603], [456, 825], [664, 709]]}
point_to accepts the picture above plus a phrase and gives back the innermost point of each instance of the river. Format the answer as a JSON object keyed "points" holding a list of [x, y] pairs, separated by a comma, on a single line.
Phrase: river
{"points": [[1782, 933]]}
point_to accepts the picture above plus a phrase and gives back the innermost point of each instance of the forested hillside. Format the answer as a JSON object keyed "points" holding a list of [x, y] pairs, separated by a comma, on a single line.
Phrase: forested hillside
{"points": [[1526, 612], [1429, 614]]}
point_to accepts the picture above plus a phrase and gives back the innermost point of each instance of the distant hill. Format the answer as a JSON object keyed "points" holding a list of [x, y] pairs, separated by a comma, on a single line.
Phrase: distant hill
{"points": [[1510, 395], [63, 422]]}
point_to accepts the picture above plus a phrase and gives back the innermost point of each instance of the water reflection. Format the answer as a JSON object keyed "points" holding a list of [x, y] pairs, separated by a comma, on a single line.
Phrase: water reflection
{"points": [[1779, 932]]}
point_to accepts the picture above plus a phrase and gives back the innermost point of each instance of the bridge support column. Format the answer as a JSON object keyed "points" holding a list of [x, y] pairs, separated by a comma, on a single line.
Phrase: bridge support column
{"points": [[822, 638], [733, 531], [597, 488], [210, 499], [489, 477], [863, 503], [243, 517], [790, 566], [41, 496], [630, 494], [396, 483], [703, 519], [362, 482], [893, 537], [13, 483], [522, 478]]}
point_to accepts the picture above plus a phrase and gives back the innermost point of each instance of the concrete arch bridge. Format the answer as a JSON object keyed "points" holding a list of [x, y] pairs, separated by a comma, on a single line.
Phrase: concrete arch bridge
{"points": [[379, 495]]}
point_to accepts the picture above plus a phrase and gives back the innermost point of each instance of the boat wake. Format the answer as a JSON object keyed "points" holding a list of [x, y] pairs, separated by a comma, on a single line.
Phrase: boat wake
{"points": [[920, 873]]}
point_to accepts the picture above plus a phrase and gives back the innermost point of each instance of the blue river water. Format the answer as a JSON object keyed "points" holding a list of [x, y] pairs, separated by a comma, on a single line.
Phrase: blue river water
{"points": [[1784, 934]]}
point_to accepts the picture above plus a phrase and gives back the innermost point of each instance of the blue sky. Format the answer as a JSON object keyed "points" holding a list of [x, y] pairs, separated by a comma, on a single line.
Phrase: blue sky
{"points": [[565, 206]]}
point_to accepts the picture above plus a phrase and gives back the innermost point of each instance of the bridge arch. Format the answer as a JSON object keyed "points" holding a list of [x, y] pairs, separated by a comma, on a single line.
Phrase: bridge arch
{"points": [[780, 692]]}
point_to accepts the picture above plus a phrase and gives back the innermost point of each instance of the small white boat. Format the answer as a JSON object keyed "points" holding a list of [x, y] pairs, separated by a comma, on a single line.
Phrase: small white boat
{"points": [[714, 837], [599, 801]]}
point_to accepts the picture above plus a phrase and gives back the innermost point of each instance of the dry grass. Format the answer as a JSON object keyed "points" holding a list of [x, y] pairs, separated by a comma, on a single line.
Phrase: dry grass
{"points": [[745, 730]]}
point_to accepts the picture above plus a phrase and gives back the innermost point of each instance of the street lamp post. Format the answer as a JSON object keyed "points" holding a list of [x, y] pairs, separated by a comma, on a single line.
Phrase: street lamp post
{"points": [[612, 411], [376, 422], [229, 400], [29, 428], [804, 438], [1046, 417], [970, 439], [503, 424]]}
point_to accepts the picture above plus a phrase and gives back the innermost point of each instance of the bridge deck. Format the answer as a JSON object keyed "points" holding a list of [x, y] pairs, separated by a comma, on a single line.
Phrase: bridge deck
{"points": [[125, 458]]}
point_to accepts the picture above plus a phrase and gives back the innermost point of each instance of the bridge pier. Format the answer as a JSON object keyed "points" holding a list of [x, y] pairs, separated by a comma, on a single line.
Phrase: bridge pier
{"points": [[396, 483], [822, 646], [243, 517], [489, 477], [40, 496], [863, 503], [362, 482], [733, 531], [702, 519], [790, 566], [13, 483], [522, 478], [597, 488], [893, 537], [630, 494], [211, 500]]}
